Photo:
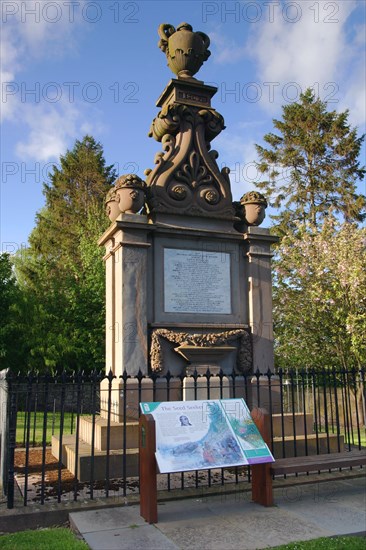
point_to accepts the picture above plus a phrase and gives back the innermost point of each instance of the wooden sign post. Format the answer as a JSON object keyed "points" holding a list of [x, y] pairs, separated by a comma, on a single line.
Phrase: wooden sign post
{"points": [[261, 473], [148, 469]]}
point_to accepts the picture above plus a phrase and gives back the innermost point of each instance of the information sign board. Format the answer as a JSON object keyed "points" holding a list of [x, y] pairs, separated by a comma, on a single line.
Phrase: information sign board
{"points": [[195, 435]]}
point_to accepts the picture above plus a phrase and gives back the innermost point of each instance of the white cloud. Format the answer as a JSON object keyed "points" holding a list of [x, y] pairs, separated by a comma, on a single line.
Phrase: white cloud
{"points": [[310, 52], [239, 155], [51, 129], [9, 65], [305, 51], [28, 38], [225, 49], [33, 24]]}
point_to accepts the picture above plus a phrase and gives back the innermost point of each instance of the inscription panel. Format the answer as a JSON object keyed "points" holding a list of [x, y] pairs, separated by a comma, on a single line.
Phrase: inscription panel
{"points": [[192, 98], [196, 281]]}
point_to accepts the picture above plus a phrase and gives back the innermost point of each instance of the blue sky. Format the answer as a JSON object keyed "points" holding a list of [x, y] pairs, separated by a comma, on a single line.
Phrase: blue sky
{"points": [[76, 67]]}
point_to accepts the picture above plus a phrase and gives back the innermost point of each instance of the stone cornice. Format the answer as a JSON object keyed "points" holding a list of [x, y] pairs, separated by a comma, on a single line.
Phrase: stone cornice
{"points": [[137, 222]]}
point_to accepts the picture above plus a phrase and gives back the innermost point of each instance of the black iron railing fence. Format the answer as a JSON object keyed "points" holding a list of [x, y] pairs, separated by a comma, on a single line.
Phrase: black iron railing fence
{"points": [[75, 435]]}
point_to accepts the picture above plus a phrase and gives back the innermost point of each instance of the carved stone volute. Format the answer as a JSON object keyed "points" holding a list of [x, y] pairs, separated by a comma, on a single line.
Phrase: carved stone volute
{"points": [[186, 178]]}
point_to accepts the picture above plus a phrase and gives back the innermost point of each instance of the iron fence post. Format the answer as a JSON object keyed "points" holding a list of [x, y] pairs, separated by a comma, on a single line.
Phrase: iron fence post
{"points": [[12, 416]]}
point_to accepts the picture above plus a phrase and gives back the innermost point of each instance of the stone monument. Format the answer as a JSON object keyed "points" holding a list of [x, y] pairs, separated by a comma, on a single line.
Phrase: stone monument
{"points": [[188, 271]]}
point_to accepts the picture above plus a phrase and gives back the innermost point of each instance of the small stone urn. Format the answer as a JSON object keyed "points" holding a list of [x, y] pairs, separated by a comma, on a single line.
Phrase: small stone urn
{"points": [[254, 206], [112, 204], [185, 50], [130, 190]]}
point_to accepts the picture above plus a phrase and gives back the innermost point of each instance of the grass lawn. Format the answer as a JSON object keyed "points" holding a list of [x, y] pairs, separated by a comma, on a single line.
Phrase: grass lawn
{"points": [[44, 539], [36, 426], [63, 539], [355, 437], [337, 543], [348, 435], [53, 426]]}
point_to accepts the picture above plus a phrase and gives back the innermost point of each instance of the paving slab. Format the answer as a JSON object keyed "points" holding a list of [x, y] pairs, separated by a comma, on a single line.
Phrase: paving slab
{"points": [[234, 525], [103, 520], [130, 538], [339, 507], [231, 521]]}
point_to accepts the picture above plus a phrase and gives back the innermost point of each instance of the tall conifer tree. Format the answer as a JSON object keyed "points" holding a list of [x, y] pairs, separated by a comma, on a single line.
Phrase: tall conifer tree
{"points": [[312, 165], [62, 268]]}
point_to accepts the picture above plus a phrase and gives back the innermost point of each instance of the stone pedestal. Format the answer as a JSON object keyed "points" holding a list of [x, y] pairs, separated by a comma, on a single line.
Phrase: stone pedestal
{"points": [[260, 296], [125, 398], [201, 389], [266, 395], [126, 294]]}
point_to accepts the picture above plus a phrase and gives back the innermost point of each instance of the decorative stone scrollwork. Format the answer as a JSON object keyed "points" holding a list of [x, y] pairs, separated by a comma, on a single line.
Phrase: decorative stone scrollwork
{"points": [[178, 192], [244, 355], [193, 173], [211, 196], [167, 121], [186, 178]]}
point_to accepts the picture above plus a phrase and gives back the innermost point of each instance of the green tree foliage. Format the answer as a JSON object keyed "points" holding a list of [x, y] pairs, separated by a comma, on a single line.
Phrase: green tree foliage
{"points": [[312, 165], [77, 188], [320, 297], [61, 272], [8, 292], [9, 302]]}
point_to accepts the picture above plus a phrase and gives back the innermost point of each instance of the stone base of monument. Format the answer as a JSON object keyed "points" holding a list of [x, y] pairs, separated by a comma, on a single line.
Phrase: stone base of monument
{"points": [[126, 397], [101, 430], [284, 427], [292, 423], [199, 387], [84, 460], [306, 446], [266, 395], [283, 442], [116, 449]]}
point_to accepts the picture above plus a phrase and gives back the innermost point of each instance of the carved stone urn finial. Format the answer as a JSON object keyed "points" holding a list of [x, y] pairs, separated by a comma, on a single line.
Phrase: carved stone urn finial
{"points": [[185, 50], [131, 192], [127, 195], [253, 206]]}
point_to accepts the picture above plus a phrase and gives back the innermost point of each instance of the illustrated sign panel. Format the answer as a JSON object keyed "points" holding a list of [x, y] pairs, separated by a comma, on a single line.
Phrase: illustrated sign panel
{"points": [[196, 281], [197, 435]]}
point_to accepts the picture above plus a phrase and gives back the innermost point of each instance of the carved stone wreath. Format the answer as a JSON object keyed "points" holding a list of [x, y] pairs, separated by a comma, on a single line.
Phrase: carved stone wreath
{"points": [[244, 355]]}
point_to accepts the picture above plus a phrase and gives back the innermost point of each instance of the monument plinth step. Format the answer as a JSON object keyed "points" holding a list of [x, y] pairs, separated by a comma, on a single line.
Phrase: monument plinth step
{"points": [[99, 460], [284, 424], [117, 430], [308, 445]]}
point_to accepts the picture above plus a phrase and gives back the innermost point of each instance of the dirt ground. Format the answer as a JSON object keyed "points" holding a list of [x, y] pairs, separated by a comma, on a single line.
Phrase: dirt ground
{"points": [[61, 484], [55, 481]]}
